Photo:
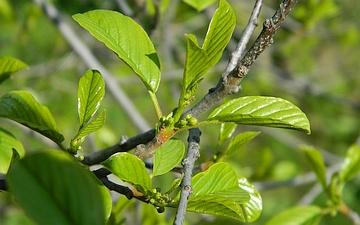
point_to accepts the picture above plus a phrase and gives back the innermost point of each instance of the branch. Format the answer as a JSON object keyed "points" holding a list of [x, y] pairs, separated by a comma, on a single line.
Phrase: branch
{"points": [[99, 156], [129, 193], [245, 37], [90, 60], [188, 163], [231, 77]]}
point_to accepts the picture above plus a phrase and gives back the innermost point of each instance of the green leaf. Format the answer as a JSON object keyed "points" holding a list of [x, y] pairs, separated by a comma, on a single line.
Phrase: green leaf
{"points": [[168, 156], [21, 107], [217, 192], [195, 63], [262, 111], [201, 60], [91, 91], [130, 169], [239, 141], [53, 188], [226, 131], [252, 209], [126, 39], [219, 32], [317, 163], [199, 5], [93, 125], [8, 142], [351, 164], [89, 128], [299, 215], [9, 66]]}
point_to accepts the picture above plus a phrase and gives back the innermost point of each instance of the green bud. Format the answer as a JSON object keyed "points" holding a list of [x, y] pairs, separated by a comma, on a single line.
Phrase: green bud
{"points": [[157, 195], [192, 121], [188, 116], [152, 201]]}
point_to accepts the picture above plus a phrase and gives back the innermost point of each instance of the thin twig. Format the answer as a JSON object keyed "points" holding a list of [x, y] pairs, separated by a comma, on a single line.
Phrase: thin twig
{"points": [[245, 37], [90, 60], [99, 156], [186, 189]]}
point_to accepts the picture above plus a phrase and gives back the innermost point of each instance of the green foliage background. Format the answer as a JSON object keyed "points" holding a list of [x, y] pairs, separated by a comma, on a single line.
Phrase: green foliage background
{"points": [[314, 63]]}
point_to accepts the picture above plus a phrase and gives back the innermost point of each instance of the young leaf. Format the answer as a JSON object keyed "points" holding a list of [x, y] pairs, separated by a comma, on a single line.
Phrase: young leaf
{"points": [[130, 169], [62, 191], [91, 91], [195, 63], [127, 40], [262, 111], [201, 60], [93, 125], [89, 128], [168, 156], [299, 215], [239, 141], [226, 131], [21, 107], [317, 163], [199, 5], [8, 142], [9, 66], [351, 164], [219, 32], [252, 209], [218, 191]]}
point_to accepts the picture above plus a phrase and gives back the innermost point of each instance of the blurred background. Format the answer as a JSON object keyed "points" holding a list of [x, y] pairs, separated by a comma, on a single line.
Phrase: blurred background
{"points": [[314, 63]]}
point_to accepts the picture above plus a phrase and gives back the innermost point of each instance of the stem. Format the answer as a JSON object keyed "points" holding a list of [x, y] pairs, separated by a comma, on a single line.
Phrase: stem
{"points": [[156, 104], [188, 163]]}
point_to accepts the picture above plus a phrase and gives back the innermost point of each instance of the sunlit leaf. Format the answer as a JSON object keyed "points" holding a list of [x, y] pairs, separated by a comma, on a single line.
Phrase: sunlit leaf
{"points": [[130, 169], [168, 156], [21, 107], [93, 125], [201, 60], [199, 5], [252, 209], [91, 91], [127, 39], [218, 191], [226, 131], [351, 164], [317, 163], [53, 188], [219, 32], [7, 143], [299, 215], [195, 63], [9, 66], [262, 111], [239, 141]]}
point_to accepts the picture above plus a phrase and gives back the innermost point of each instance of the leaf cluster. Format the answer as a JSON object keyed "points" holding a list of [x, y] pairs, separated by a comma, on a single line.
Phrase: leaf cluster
{"points": [[218, 190]]}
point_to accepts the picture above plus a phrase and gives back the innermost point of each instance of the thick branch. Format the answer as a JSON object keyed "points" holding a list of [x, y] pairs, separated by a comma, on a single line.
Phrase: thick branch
{"points": [[188, 163]]}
